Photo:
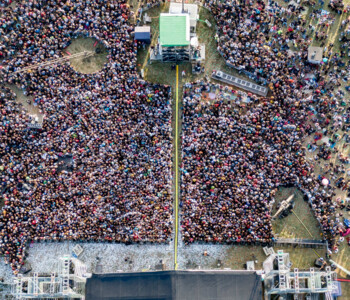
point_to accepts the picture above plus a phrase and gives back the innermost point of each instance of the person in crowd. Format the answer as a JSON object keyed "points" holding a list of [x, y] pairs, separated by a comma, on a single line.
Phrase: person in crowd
{"points": [[234, 159], [113, 128]]}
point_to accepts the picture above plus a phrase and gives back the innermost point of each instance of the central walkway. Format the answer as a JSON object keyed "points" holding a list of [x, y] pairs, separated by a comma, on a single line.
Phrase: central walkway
{"points": [[177, 137]]}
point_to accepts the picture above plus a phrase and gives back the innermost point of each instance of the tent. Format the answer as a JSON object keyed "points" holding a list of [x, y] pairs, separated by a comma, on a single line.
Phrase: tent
{"points": [[176, 285], [143, 34]]}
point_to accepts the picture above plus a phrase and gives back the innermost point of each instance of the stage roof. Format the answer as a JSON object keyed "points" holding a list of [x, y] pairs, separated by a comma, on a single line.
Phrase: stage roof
{"points": [[174, 30], [191, 9], [175, 285]]}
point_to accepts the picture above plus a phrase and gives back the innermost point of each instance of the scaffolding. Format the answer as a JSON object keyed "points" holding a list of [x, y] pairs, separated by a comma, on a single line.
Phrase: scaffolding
{"points": [[65, 276], [177, 37], [5, 291], [281, 280], [67, 283], [283, 270]]}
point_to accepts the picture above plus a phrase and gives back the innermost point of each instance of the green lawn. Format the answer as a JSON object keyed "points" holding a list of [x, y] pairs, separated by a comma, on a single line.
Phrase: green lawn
{"points": [[290, 226], [90, 64]]}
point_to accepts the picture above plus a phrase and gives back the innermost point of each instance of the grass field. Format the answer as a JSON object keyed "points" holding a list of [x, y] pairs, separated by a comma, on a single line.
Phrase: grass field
{"points": [[237, 256], [290, 226], [90, 64]]}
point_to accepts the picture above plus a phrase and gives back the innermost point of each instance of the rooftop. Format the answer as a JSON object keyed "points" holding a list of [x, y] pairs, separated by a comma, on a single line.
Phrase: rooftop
{"points": [[143, 29], [176, 285], [174, 30], [191, 9]]}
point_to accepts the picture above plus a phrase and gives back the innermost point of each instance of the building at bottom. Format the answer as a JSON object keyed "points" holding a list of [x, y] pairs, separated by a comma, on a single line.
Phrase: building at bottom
{"points": [[175, 285]]}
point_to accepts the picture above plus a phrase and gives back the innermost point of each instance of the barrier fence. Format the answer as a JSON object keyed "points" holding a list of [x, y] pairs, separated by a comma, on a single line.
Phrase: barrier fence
{"points": [[304, 243]]}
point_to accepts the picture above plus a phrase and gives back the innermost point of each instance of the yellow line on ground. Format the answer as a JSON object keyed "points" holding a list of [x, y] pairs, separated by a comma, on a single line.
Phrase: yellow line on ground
{"points": [[316, 253], [176, 168]]}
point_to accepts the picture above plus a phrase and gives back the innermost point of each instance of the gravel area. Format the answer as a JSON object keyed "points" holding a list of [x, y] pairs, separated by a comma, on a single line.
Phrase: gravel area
{"points": [[192, 256], [43, 257], [5, 271]]}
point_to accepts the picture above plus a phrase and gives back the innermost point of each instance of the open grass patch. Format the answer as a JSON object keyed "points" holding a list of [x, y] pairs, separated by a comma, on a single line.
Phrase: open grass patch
{"points": [[290, 226], [237, 256], [90, 64]]}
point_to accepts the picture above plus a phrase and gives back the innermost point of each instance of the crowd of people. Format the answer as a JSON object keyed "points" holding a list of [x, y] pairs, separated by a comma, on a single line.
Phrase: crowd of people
{"points": [[112, 127], [234, 160], [232, 166], [115, 129], [336, 5]]}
